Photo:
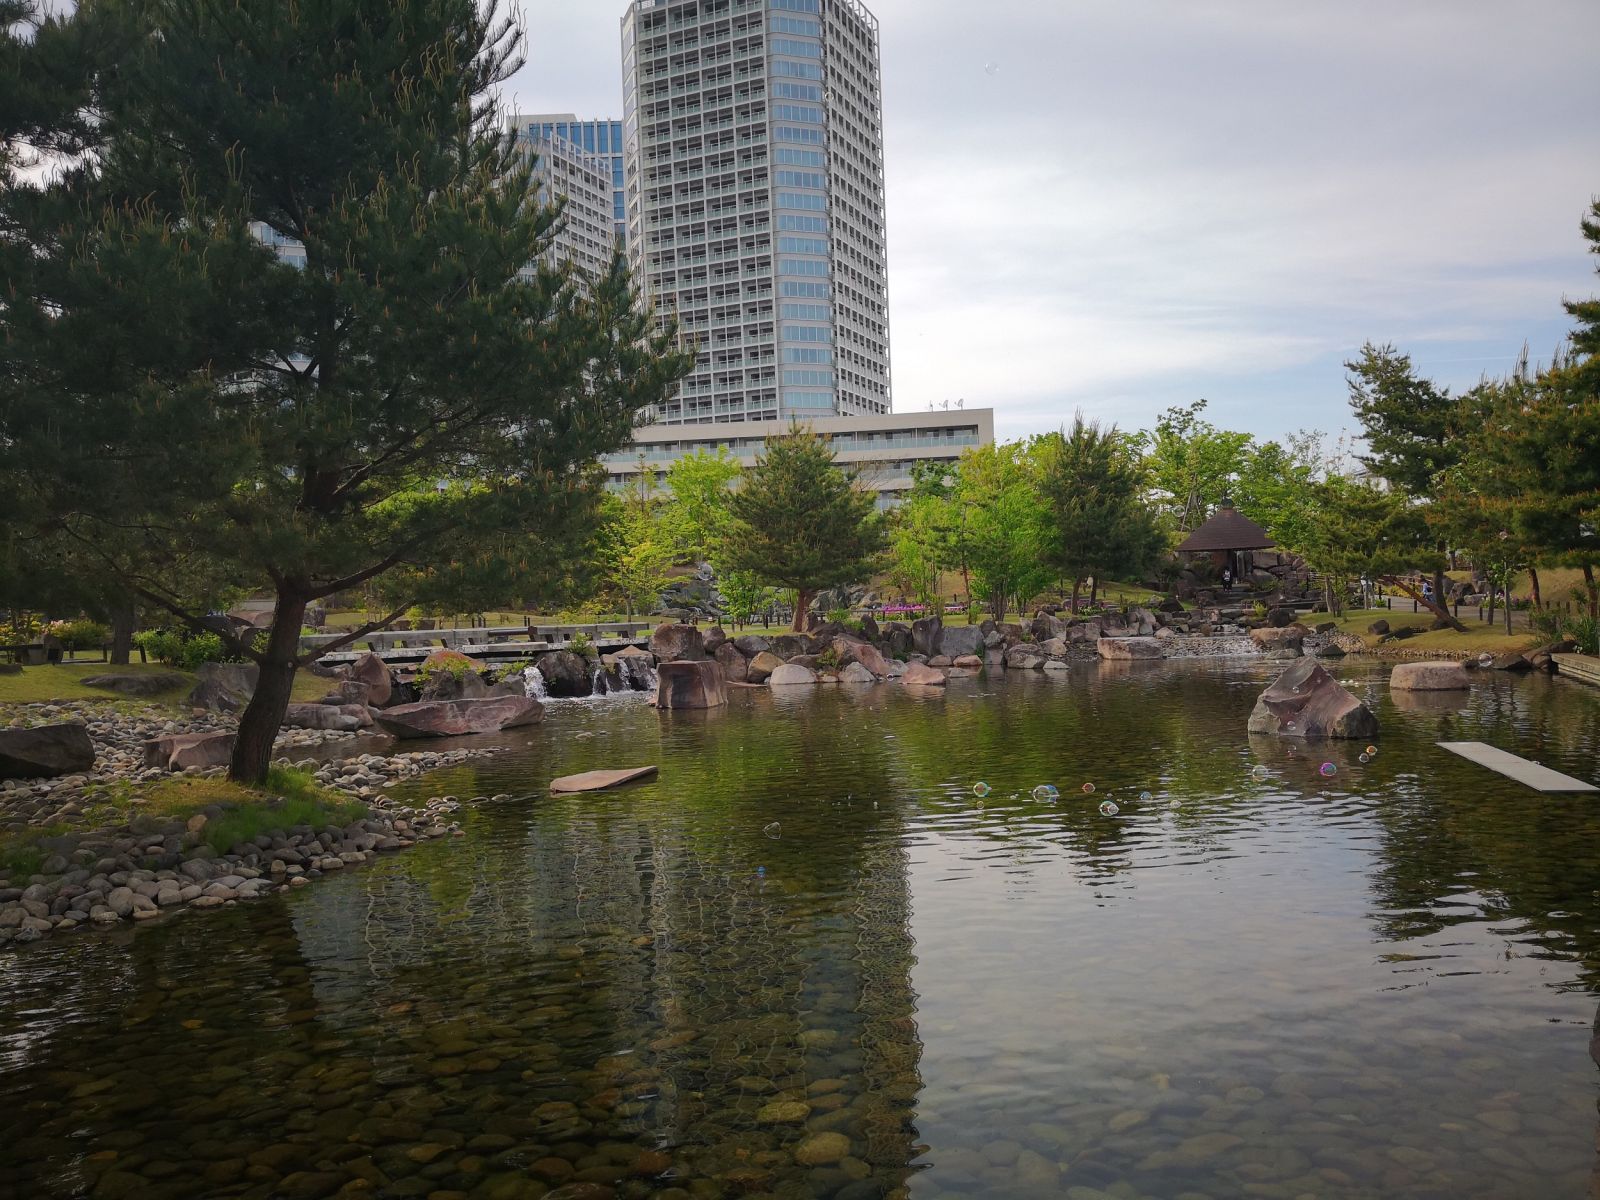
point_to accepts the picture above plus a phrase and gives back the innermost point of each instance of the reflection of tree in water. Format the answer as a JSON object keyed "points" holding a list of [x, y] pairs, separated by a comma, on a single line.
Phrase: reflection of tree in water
{"points": [[1463, 845]]}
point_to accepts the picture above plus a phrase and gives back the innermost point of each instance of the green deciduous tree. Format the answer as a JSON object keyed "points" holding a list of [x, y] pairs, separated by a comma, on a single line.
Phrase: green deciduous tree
{"points": [[1365, 530], [1191, 464], [394, 396], [1005, 524], [699, 487], [800, 522]]}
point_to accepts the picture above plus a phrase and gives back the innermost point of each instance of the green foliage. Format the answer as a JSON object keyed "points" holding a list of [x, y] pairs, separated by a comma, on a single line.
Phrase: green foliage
{"points": [[82, 634], [188, 651], [580, 645], [800, 522], [696, 518], [1191, 464], [1005, 524], [1411, 425], [1101, 525], [294, 798], [452, 668], [196, 412], [743, 595], [634, 555], [839, 616], [829, 660]]}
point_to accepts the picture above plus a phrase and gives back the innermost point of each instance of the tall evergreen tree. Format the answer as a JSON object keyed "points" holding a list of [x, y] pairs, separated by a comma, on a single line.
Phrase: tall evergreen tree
{"points": [[1414, 432], [1099, 525], [397, 394], [800, 522]]}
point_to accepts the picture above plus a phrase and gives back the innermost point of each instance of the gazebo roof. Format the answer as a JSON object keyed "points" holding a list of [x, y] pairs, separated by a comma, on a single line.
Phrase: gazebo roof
{"points": [[1228, 529]]}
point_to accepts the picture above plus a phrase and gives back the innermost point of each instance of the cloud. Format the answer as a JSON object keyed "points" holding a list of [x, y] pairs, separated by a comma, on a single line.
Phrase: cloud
{"points": [[1154, 200]]}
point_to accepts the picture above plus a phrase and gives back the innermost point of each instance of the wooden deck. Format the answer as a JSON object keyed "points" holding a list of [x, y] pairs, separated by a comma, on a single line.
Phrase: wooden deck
{"points": [[1579, 666]]}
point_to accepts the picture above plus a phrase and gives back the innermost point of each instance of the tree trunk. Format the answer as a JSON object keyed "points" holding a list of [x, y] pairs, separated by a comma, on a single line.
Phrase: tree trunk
{"points": [[1594, 590], [123, 617], [1077, 586], [1094, 589], [1433, 606], [263, 716], [1508, 610], [802, 602], [997, 603], [1533, 589], [1491, 603]]}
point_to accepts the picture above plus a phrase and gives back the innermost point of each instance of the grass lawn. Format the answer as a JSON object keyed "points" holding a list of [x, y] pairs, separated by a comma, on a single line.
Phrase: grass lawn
{"points": [[65, 682], [1480, 636], [288, 798]]}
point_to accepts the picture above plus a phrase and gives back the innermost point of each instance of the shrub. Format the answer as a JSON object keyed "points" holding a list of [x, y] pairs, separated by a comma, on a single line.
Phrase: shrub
{"points": [[828, 660], [839, 616], [582, 646], [176, 650], [79, 635]]}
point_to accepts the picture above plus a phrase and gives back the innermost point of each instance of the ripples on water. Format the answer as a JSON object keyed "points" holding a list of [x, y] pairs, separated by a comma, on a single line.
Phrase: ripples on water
{"points": [[1256, 980]]}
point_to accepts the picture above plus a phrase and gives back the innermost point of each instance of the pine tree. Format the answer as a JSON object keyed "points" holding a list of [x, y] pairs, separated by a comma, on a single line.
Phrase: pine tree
{"points": [[800, 522], [399, 395], [1099, 525]]}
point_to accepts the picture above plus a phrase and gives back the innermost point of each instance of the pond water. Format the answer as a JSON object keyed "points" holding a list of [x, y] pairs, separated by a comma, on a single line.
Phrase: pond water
{"points": [[809, 961]]}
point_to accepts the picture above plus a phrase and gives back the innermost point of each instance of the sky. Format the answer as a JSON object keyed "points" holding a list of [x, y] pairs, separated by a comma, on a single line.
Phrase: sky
{"points": [[1124, 205]]}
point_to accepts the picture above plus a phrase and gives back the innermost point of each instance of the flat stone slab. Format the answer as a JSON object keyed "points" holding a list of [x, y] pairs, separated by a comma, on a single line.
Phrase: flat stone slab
{"points": [[1539, 778], [598, 781]]}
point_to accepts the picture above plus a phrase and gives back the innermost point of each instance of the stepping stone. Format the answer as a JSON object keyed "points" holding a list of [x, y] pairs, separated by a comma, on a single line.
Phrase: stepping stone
{"points": [[598, 781], [1540, 778]]}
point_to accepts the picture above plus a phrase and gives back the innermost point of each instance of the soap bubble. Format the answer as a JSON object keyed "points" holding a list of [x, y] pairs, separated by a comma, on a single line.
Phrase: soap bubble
{"points": [[1259, 772], [1108, 808], [991, 68], [1288, 724], [1046, 792], [1087, 788], [1146, 797], [773, 831], [1372, 752], [1328, 769], [980, 789], [1364, 757]]}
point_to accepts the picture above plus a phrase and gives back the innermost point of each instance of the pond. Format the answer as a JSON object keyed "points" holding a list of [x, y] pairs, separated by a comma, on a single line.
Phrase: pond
{"points": [[809, 961]]}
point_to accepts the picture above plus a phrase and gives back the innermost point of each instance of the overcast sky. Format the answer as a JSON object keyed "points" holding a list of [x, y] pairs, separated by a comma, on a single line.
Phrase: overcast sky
{"points": [[1128, 204]]}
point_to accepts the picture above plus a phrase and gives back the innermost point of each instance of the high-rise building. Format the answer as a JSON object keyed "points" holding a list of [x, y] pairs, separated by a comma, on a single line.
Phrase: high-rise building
{"points": [[600, 139], [588, 237], [753, 141]]}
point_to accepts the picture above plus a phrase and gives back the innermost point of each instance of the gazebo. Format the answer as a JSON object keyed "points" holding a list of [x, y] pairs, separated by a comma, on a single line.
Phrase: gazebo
{"points": [[1228, 538]]}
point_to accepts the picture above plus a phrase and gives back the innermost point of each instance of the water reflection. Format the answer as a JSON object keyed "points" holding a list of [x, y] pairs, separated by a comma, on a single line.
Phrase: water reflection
{"points": [[1374, 984]]}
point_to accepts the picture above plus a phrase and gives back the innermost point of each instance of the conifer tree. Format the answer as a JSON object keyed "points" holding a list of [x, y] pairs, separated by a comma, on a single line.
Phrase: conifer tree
{"points": [[800, 522], [398, 391]]}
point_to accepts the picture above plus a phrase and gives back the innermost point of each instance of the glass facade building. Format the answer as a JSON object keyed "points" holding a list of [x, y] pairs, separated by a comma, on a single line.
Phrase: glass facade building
{"points": [[601, 139], [754, 177], [588, 237]]}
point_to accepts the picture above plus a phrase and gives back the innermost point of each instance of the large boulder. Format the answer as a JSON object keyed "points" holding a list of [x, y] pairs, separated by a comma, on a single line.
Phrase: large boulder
{"points": [[857, 673], [1306, 702], [685, 684], [897, 640], [735, 667], [922, 675], [224, 687], [451, 675], [1126, 648], [374, 672], [791, 675], [926, 634], [149, 684], [959, 640], [45, 751], [792, 645], [762, 666], [452, 718], [1025, 657], [853, 650], [346, 718], [182, 751], [1429, 677], [677, 643], [713, 638], [565, 674], [750, 645]]}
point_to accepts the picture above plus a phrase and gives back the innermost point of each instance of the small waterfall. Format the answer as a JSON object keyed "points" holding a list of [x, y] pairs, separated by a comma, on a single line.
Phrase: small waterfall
{"points": [[533, 681], [599, 684], [638, 672]]}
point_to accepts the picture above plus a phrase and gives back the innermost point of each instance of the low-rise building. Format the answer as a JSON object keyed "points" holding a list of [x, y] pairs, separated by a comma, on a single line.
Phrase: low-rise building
{"points": [[880, 449]]}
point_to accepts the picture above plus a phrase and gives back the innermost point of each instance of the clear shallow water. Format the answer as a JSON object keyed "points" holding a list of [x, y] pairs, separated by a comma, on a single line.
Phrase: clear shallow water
{"points": [[1372, 985]]}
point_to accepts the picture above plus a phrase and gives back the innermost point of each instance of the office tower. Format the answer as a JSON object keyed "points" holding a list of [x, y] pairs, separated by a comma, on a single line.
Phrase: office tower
{"points": [[563, 170], [753, 148], [600, 139]]}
